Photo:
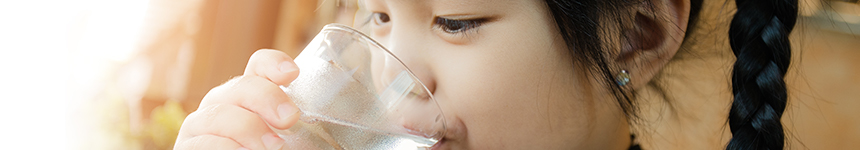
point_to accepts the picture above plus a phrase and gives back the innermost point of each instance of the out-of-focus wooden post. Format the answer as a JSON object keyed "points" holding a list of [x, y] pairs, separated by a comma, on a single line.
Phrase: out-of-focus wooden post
{"points": [[295, 22], [301, 20], [230, 32]]}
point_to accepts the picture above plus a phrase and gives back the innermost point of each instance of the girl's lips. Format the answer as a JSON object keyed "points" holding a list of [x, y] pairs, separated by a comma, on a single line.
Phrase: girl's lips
{"points": [[413, 131], [456, 132]]}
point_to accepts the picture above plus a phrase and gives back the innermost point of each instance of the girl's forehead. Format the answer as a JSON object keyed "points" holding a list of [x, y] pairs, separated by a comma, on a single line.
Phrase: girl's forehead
{"points": [[453, 4], [457, 6]]}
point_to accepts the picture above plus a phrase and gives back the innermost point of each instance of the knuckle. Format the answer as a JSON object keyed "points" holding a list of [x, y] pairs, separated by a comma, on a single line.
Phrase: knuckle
{"points": [[212, 111], [231, 113], [220, 93], [232, 82], [250, 80], [219, 118], [208, 114], [215, 93], [258, 84], [206, 142], [242, 82]]}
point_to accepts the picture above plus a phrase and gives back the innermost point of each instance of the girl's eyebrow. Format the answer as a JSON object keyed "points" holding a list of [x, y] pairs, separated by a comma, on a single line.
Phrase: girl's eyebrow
{"points": [[473, 5]]}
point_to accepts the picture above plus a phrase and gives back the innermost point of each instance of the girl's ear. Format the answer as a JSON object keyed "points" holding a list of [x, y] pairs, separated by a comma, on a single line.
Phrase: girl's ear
{"points": [[655, 34]]}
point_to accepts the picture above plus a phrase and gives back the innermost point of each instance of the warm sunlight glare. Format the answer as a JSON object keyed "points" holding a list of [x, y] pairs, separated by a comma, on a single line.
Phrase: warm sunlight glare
{"points": [[49, 51]]}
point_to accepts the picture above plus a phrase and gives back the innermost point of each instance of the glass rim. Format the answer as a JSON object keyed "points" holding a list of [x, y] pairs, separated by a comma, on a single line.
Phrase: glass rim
{"points": [[362, 35]]}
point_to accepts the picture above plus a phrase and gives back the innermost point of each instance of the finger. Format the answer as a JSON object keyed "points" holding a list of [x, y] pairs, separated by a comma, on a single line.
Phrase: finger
{"points": [[233, 122], [259, 96], [274, 65], [207, 142]]}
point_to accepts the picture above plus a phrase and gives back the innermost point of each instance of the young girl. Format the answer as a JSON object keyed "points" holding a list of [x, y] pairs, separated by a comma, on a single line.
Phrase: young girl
{"points": [[532, 74]]}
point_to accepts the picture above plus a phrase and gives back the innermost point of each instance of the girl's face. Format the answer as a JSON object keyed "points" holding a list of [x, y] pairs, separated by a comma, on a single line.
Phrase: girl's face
{"points": [[501, 74]]}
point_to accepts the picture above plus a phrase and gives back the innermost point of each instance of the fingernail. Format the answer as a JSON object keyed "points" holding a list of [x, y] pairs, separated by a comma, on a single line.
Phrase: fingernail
{"points": [[242, 148], [287, 67], [286, 110], [272, 141]]}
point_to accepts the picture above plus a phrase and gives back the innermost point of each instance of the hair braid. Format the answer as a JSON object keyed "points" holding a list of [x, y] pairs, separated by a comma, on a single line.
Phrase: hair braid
{"points": [[759, 39]]}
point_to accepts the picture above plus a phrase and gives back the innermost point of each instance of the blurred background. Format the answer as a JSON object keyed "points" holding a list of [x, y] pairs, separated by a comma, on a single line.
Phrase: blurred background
{"points": [[122, 74]]}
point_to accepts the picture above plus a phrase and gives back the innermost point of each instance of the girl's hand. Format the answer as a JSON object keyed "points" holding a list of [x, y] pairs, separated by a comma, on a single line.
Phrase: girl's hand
{"points": [[234, 114]]}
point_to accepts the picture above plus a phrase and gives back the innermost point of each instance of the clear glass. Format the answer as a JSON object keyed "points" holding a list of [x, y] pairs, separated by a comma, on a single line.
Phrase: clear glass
{"points": [[355, 94]]}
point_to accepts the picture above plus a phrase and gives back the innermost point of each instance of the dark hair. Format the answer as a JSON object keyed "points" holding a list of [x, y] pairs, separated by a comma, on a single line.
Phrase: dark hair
{"points": [[579, 22], [759, 39]]}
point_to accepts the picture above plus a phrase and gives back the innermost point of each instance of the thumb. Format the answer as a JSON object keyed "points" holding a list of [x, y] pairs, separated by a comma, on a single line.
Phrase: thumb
{"points": [[274, 65]]}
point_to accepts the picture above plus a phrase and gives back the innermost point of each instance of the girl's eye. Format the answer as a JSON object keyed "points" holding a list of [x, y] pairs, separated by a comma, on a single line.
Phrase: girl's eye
{"points": [[381, 18], [457, 26]]}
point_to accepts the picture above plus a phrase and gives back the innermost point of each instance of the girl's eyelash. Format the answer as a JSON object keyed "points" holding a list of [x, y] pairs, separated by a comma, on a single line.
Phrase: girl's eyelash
{"points": [[458, 26], [450, 26], [372, 18]]}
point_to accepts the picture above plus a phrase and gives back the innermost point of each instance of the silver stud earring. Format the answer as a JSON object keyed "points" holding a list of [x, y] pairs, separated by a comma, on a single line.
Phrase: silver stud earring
{"points": [[623, 78]]}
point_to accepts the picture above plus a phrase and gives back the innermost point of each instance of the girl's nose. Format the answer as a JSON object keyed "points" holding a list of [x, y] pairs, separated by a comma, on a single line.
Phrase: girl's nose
{"points": [[406, 45]]}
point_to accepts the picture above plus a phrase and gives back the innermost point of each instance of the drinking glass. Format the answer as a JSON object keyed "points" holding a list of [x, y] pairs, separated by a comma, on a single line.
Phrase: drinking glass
{"points": [[355, 94]]}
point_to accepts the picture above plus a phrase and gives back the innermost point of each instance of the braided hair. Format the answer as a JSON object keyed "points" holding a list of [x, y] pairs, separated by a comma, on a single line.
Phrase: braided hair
{"points": [[759, 39]]}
